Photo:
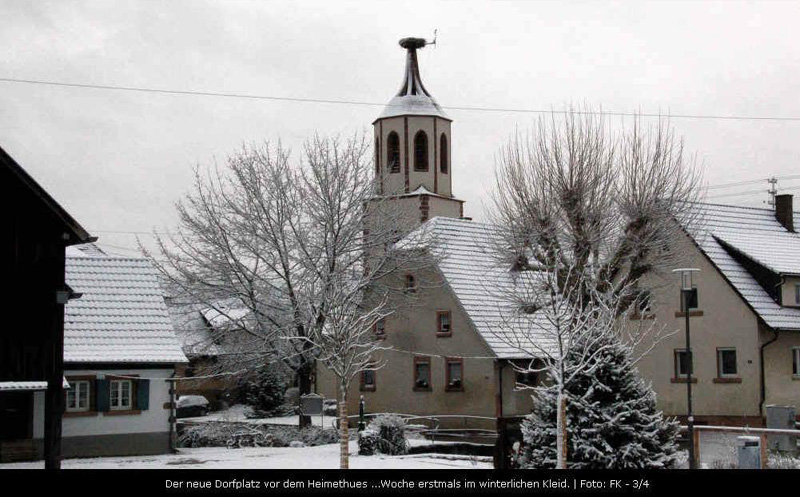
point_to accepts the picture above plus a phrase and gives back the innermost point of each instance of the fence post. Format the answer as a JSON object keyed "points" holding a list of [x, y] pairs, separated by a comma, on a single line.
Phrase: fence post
{"points": [[763, 451], [361, 423], [695, 441]]}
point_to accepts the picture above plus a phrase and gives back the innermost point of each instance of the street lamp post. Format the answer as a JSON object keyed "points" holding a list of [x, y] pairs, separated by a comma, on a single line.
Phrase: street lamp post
{"points": [[689, 301]]}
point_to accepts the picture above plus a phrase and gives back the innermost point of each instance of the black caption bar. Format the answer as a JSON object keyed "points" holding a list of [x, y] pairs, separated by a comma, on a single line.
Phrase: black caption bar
{"points": [[375, 482]]}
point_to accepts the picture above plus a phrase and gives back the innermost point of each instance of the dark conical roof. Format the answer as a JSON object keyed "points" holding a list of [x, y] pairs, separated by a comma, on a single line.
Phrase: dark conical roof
{"points": [[412, 98]]}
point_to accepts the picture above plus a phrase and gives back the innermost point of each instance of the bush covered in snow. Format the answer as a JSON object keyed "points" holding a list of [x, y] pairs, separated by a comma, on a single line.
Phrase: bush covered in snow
{"points": [[264, 393], [612, 420], [224, 434], [777, 460], [330, 407], [385, 434]]}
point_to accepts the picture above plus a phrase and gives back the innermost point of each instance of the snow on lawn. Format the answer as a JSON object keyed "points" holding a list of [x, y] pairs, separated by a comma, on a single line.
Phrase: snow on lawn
{"points": [[237, 413], [320, 457]]}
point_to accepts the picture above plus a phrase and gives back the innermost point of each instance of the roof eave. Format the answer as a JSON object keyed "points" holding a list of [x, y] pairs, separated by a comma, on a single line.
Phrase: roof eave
{"points": [[76, 233]]}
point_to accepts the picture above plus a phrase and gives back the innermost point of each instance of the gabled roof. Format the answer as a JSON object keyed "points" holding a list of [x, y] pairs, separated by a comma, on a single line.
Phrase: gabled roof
{"points": [[77, 233], [757, 235], [467, 260], [121, 316]]}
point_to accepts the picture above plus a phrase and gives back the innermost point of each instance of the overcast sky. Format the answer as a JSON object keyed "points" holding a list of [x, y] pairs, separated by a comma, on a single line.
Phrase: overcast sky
{"points": [[119, 160]]}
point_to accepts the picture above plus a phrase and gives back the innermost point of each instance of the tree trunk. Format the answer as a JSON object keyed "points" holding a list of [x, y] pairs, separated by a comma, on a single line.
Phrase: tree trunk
{"points": [[304, 385], [561, 431], [344, 431]]}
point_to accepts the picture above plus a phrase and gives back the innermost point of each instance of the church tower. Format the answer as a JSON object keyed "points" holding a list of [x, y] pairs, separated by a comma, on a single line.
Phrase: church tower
{"points": [[413, 159]]}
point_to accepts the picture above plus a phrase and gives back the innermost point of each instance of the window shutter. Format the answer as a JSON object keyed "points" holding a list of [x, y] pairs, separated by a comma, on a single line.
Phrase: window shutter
{"points": [[142, 394], [101, 388]]}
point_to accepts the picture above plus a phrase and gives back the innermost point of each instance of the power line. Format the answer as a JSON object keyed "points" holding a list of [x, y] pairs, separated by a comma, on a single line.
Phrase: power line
{"points": [[753, 181], [753, 192], [381, 104]]}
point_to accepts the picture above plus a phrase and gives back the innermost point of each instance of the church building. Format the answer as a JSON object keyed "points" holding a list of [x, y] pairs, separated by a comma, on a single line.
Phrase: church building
{"points": [[444, 361]]}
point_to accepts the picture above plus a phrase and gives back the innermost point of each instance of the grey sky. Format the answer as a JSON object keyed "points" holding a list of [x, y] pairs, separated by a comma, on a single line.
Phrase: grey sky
{"points": [[119, 160]]}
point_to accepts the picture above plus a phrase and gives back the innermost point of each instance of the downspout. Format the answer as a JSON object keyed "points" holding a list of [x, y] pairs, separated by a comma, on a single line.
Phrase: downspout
{"points": [[764, 346], [500, 364], [763, 379], [500, 448], [172, 427]]}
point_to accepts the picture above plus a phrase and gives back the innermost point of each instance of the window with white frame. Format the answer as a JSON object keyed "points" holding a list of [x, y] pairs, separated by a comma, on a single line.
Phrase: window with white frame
{"points": [[78, 399], [121, 395], [726, 362], [796, 362]]}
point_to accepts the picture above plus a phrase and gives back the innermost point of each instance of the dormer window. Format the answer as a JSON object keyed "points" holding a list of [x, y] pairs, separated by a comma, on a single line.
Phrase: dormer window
{"points": [[393, 152], [420, 151]]}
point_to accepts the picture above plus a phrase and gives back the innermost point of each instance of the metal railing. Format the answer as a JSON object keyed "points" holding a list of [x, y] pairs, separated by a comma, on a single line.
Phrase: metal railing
{"points": [[715, 446]]}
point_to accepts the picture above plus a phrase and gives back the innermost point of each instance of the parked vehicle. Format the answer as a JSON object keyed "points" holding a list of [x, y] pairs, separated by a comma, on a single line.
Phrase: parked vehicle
{"points": [[189, 406]]}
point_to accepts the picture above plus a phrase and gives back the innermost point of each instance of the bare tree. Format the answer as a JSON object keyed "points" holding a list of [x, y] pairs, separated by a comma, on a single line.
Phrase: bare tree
{"points": [[348, 345], [572, 195], [271, 247], [584, 216]]}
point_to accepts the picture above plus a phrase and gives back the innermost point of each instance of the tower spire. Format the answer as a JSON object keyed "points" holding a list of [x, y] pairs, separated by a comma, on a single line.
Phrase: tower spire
{"points": [[413, 98], [412, 84]]}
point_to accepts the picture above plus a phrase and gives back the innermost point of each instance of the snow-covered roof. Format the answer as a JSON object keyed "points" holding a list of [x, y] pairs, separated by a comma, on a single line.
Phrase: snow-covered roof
{"points": [[225, 315], [467, 259], [120, 316], [412, 98], [468, 262], [757, 235], [27, 386], [194, 333]]}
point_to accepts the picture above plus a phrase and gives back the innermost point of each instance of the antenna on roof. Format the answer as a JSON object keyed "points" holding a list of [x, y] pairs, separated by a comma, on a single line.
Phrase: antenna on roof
{"points": [[435, 34], [773, 190]]}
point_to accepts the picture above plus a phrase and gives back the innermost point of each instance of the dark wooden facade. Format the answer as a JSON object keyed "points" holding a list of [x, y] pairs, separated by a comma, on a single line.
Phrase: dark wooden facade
{"points": [[34, 233]]}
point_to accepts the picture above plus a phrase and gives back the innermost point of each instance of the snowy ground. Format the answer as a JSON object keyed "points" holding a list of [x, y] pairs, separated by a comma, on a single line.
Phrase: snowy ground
{"points": [[320, 457], [236, 413]]}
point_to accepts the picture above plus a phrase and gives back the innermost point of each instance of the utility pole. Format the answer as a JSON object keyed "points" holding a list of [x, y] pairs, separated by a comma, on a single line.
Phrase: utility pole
{"points": [[689, 301]]}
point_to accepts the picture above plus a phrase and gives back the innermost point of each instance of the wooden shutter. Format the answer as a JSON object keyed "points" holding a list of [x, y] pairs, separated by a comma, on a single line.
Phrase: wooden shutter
{"points": [[102, 395], [142, 395]]}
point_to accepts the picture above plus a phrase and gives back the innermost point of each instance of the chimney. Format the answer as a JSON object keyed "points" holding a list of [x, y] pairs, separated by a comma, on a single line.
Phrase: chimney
{"points": [[783, 211]]}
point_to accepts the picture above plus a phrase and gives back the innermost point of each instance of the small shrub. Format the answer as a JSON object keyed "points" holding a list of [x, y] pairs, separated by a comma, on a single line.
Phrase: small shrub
{"points": [[330, 407], [777, 460], [264, 393], [368, 442], [226, 434], [386, 434]]}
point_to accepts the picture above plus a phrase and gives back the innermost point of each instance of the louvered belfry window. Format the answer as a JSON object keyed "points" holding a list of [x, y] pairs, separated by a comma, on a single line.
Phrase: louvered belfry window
{"points": [[443, 154], [393, 152], [420, 151]]}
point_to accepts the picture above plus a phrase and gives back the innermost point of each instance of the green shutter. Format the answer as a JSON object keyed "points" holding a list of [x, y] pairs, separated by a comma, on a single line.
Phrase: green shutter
{"points": [[142, 394], [101, 387]]}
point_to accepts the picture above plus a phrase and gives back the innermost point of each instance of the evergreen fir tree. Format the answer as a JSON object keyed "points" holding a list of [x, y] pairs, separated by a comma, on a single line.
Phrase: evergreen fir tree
{"points": [[612, 420]]}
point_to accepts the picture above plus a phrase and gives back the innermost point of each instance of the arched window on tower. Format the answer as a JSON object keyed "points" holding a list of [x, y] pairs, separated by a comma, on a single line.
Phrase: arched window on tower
{"points": [[393, 152], [377, 157], [420, 151], [443, 154]]}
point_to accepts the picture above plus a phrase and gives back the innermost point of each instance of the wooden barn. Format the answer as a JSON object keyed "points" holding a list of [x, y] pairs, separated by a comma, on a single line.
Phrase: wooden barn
{"points": [[35, 233]]}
